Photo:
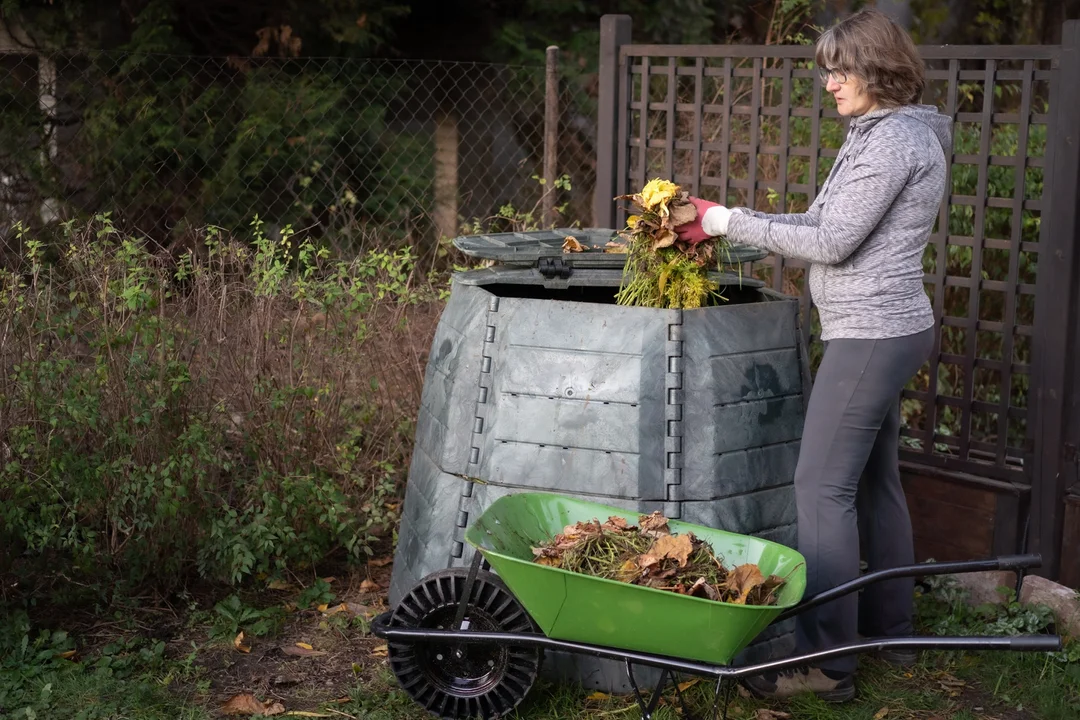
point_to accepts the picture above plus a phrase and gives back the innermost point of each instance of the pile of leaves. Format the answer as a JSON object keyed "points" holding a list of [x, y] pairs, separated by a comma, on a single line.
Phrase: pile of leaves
{"points": [[662, 271], [650, 554]]}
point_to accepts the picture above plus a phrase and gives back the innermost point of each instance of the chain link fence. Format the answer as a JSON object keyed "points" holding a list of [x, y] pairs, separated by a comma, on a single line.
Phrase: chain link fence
{"points": [[358, 151]]}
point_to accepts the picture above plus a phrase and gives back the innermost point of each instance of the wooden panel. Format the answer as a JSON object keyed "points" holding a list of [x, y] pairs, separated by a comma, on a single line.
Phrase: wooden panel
{"points": [[1070, 544], [953, 517]]}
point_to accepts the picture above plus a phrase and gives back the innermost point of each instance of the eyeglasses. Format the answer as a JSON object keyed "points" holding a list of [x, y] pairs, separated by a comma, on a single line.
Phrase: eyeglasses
{"points": [[839, 76]]}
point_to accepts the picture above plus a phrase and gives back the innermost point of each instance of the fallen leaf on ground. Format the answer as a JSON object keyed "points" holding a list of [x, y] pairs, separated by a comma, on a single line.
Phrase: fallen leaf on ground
{"points": [[238, 643], [279, 585], [368, 586], [248, 705], [379, 650], [683, 687], [380, 562], [300, 651], [598, 696], [66, 655], [307, 713], [881, 713], [767, 714]]}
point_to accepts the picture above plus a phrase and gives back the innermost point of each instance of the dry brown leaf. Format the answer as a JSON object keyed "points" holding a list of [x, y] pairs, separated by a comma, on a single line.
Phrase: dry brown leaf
{"points": [[616, 524], [299, 650], [238, 643], [245, 704], [66, 655], [279, 585], [368, 586], [682, 213], [881, 713], [654, 525], [767, 714], [743, 579], [676, 547], [683, 687], [663, 239], [571, 244], [380, 562], [380, 650]]}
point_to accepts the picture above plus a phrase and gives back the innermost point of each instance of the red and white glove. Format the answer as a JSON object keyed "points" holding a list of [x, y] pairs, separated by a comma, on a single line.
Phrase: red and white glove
{"points": [[711, 221]]}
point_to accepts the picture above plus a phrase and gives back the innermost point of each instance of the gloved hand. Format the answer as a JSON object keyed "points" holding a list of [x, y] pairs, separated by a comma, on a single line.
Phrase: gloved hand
{"points": [[711, 221]]}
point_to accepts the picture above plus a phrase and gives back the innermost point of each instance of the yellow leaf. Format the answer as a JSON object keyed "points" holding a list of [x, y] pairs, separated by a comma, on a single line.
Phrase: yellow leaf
{"points": [[598, 696], [656, 193], [248, 705], [305, 646], [322, 608], [66, 655], [238, 643], [380, 650], [881, 713], [368, 586], [683, 687], [279, 585]]}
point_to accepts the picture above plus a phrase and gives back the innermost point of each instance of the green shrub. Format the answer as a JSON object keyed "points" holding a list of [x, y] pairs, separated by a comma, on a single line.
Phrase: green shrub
{"points": [[239, 410]]}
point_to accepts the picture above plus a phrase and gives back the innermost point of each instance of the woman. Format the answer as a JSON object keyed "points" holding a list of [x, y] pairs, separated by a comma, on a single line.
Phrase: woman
{"points": [[864, 237]]}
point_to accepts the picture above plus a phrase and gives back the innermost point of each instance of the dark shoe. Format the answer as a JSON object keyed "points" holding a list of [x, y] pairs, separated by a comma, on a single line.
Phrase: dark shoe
{"points": [[830, 687], [899, 657]]}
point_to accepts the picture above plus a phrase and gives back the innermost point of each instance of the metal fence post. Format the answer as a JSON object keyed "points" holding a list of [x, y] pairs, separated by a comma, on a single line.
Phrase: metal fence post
{"points": [[614, 33], [1056, 306]]}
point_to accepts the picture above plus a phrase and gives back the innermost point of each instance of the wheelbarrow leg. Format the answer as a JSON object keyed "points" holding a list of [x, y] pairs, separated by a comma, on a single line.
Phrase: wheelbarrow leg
{"points": [[647, 709]]}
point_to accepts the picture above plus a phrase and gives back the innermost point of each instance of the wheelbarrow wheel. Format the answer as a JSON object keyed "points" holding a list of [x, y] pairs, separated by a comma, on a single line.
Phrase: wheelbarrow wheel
{"points": [[464, 680]]}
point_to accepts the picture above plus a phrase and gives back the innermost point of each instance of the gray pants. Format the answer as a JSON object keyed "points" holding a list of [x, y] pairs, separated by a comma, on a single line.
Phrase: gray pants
{"points": [[852, 432]]}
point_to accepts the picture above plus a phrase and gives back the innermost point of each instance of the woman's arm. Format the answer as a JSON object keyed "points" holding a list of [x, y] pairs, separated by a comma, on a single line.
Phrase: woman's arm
{"points": [[875, 179], [810, 217]]}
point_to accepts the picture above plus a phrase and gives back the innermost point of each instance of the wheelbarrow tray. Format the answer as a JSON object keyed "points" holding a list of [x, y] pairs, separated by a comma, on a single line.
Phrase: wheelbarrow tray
{"points": [[581, 608]]}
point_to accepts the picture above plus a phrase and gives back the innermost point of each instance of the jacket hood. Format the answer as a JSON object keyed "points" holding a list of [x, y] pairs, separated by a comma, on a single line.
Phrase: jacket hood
{"points": [[941, 125]]}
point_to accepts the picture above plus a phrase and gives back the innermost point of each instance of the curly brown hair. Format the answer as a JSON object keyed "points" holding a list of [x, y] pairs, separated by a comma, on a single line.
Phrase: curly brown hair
{"points": [[871, 47]]}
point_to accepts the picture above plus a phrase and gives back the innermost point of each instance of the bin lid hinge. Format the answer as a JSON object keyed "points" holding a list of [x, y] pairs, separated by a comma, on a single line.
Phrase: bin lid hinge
{"points": [[552, 267]]}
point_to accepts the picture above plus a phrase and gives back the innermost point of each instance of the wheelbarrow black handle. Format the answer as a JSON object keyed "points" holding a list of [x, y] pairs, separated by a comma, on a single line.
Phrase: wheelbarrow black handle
{"points": [[1005, 562], [1036, 643]]}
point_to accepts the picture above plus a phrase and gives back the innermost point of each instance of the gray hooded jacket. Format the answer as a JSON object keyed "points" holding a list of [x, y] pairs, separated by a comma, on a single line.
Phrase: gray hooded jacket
{"points": [[865, 233]]}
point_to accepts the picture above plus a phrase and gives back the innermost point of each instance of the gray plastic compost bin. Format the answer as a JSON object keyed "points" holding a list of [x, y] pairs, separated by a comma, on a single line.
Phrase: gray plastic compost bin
{"points": [[537, 380]]}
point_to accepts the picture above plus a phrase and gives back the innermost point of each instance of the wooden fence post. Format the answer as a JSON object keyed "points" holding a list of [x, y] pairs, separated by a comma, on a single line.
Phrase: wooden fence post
{"points": [[614, 33], [1056, 308], [551, 133]]}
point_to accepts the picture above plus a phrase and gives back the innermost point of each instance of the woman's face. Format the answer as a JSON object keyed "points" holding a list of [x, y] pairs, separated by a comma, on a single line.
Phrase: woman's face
{"points": [[849, 93]]}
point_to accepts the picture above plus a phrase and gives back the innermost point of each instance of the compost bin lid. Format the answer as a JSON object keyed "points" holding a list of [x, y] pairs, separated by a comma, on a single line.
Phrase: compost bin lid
{"points": [[528, 248]]}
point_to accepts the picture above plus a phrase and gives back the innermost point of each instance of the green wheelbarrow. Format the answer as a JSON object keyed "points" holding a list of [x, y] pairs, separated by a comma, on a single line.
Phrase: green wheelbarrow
{"points": [[468, 642]]}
